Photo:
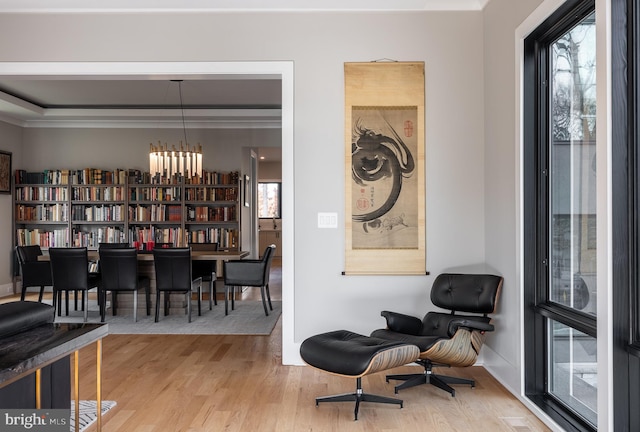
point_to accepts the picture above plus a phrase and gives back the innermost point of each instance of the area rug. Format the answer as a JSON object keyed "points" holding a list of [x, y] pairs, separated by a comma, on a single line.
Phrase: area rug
{"points": [[248, 318], [88, 414]]}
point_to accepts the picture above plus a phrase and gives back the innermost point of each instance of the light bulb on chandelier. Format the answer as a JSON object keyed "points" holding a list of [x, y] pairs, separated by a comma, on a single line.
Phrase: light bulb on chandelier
{"points": [[171, 162], [185, 161]]}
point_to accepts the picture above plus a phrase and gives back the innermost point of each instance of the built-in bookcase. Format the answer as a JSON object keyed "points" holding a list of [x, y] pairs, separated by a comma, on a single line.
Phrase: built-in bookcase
{"points": [[87, 207]]}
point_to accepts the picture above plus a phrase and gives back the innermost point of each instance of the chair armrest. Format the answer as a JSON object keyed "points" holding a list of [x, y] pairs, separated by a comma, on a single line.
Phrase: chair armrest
{"points": [[196, 283], [401, 323], [455, 324]]}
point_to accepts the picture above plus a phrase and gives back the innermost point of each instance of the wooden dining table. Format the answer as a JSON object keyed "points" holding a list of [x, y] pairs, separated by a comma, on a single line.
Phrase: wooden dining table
{"points": [[220, 255], [146, 268]]}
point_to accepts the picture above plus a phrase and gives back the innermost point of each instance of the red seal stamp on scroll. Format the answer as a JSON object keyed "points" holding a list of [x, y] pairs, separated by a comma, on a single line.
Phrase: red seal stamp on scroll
{"points": [[408, 128], [362, 204]]}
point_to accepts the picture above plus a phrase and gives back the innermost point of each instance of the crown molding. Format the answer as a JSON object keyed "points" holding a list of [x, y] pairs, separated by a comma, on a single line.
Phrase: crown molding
{"points": [[173, 6]]}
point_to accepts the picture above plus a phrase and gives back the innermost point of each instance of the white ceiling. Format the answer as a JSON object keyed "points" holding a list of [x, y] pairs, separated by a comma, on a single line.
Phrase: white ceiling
{"points": [[223, 101]]}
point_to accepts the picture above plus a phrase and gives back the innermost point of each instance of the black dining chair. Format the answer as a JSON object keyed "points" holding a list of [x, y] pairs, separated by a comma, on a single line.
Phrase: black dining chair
{"points": [[34, 273], [70, 272], [173, 274], [249, 273], [95, 273], [206, 269], [119, 269]]}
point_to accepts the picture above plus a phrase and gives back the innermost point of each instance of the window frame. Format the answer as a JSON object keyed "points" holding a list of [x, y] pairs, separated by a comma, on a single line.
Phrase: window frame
{"points": [[279, 183], [538, 309]]}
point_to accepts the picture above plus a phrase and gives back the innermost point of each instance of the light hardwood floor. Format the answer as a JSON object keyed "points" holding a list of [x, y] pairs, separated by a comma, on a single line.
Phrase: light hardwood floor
{"points": [[238, 383]]}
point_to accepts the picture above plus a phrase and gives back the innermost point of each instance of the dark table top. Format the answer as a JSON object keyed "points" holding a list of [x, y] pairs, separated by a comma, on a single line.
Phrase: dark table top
{"points": [[195, 255], [23, 353]]}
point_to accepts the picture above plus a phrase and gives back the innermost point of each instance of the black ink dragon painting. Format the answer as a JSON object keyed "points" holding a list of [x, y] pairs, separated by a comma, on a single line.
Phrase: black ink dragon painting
{"points": [[382, 163]]}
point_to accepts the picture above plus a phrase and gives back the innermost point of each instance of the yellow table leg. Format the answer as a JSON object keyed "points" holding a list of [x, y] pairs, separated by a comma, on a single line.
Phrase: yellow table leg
{"points": [[38, 388], [99, 383], [77, 387]]}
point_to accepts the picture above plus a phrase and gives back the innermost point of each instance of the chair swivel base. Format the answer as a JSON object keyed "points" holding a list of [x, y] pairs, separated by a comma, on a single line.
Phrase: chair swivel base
{"points": [[357, 397], [440, 381]]}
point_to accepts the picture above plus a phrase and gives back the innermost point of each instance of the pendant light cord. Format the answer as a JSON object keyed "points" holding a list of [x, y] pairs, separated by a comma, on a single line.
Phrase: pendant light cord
{"points": [[184, 126]]}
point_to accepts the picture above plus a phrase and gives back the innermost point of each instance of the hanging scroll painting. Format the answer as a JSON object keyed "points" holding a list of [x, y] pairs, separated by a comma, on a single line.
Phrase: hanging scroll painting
{"points": [[384, 166]]}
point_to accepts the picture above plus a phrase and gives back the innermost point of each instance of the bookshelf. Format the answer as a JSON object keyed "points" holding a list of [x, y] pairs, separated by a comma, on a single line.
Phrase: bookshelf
{"points": [[83, 208]]}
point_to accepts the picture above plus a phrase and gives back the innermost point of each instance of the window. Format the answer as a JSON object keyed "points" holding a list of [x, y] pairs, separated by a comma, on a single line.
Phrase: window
{"points": [[560, 216], [269, 200]]}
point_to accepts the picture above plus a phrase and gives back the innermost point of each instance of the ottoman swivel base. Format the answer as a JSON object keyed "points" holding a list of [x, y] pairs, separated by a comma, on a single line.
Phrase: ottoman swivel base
{"points": [[359, 396], [349, 354]]}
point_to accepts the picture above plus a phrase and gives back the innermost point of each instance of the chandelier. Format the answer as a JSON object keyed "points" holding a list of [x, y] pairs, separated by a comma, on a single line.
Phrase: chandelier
{"points": [[184, 161]]}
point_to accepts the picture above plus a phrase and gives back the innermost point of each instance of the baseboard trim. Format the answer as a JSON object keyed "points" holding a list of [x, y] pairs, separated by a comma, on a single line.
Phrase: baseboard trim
{"points": [[6, 290]]}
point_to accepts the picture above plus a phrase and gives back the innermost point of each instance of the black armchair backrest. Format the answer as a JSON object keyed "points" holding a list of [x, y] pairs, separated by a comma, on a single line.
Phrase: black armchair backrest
{"points": [[69, 268], [34, 272], [475, 293], [173, 268], [249, 272], [28, 253], [119, 267]]}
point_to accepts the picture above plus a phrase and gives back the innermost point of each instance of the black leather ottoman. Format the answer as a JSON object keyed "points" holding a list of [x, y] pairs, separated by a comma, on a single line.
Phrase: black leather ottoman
{"points": [[345, 353]]}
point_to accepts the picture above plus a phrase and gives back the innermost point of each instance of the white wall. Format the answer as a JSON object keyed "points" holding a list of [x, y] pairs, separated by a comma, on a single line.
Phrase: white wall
{"points": [[466, 200], [501, 18], [129, 148], [270, 171]]}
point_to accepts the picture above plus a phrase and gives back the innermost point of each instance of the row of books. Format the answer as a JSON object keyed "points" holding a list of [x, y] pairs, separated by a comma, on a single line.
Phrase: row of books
{"points": [[217, 178], [173, 235], [66, 176], [59, 212], [88, 176], [97, 213], [92, 239], [155, 213], [226, 238], [41, 193], [211, 194], [98, 176], [207, 178], [49, 238], [146, 193], [216, 214], [42, 213], [92, 193], [159, 179]]}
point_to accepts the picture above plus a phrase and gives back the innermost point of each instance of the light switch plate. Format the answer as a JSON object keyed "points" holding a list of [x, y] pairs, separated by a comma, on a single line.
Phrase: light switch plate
{"points": [[327, 220]]}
